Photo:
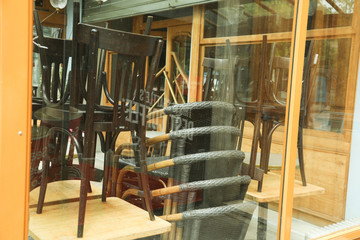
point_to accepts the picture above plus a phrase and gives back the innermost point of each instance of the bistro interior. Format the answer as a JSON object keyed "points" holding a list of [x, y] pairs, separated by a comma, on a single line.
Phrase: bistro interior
{"points": [[194, 119]]}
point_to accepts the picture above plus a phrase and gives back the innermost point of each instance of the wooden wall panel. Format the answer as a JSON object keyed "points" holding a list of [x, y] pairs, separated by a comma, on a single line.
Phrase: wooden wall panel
{"points": [[326, 158]]}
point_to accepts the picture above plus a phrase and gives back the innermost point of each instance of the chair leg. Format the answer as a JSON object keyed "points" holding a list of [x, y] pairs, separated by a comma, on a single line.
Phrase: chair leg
{"points": [[301, 155], [106, 176], [89, 189], [268, 144], [264, 145], [147, 195], [268, 130], [83, 198], [114, 174], [43, 186], [254, 146], [63, 140], [109, 153], [264, 149]]}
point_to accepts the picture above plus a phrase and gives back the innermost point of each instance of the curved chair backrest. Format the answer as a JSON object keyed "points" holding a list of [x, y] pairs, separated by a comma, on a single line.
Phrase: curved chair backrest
{"points": [[276, 85], [277, 79], [54, 56], [219, 82]]}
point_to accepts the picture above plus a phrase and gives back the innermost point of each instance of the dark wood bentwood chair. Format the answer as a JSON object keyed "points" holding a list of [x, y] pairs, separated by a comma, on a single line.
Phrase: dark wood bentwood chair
{"points": [[53, 107], [54, 56], [130, 101], [219, 82], [273, 111], [222, 79]]}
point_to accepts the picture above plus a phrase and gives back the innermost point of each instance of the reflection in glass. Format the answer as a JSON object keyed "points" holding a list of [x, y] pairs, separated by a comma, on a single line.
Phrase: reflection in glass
{"points": [[326, 108], [237, 18], [180, 56]]}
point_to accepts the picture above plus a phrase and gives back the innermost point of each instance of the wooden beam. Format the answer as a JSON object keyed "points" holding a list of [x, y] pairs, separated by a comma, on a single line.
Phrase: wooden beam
{"points": [[195, 79], [326, 33], [353, 69], [347, 233], [138, 24], [297, 54]]}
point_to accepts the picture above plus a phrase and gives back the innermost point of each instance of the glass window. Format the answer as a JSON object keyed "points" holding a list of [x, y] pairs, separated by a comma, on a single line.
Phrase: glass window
{"points": [[327, 124], [183, 121], [272, 16], [239, 18]]}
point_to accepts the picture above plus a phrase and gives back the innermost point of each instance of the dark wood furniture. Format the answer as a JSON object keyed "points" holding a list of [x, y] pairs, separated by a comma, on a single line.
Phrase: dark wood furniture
{"points": [[130, 101], [219, 82], [52, 108], [262, 101], [273, 110], [223, 76], [54, 56]]}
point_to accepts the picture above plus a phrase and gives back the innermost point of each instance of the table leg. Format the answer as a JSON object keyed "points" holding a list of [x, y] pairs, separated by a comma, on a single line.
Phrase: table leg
{"points": [[262, 221]]}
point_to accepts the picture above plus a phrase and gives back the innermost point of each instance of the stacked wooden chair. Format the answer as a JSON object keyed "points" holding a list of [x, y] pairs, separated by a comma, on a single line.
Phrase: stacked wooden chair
{"points": [[129, 103], [258, 101], [52, 109], [273, 111]]}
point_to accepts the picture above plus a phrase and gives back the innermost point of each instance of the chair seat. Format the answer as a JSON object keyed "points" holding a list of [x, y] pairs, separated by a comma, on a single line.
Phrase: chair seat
{"points": [[163, 172], [50, 114]]}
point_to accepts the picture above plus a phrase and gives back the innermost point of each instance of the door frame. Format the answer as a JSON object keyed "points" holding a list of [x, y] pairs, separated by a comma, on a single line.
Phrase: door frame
{"points": [[15, 116]]}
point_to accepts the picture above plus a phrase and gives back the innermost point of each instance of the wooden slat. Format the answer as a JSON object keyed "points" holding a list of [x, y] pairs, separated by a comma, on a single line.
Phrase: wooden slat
{"points": [[195, 80], [201, 74], [347, 233], [353, 69], [298, 39], [113, 219], [325, 33]]}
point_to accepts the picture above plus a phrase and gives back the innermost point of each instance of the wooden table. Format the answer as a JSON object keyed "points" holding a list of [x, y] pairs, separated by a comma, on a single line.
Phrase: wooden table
{"points": [[271, 192], [61, 192], [113, 219]]}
